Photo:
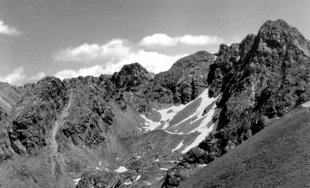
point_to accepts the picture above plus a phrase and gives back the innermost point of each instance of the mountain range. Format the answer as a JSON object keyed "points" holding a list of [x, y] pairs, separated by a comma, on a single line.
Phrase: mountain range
{"points": [[236, 118]]}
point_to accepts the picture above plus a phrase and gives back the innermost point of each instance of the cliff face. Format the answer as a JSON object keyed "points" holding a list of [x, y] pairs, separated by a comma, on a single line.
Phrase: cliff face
{"points": [[270, 78], [184, 81], [9, 96]]}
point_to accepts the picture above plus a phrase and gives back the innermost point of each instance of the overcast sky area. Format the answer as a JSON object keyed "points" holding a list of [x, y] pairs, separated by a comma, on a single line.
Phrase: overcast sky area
{"points": [[69, 38]]}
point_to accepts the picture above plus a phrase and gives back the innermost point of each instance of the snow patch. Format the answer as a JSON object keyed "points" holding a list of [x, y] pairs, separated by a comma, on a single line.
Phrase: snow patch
{"points": [[306, 104], [156, 160], [205, 102], [203, 129], [166, 115], [76, 181], [178, 147], [149, 124], [166, 169], [169, 113], [137, 178], [203, 165], [173, 133], [121, 169]]}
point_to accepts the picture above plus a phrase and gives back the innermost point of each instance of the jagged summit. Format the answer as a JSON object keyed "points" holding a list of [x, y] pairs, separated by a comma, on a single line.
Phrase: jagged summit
{"points": [[131, 75], [185, 80], [194, 59], [278, 34]]}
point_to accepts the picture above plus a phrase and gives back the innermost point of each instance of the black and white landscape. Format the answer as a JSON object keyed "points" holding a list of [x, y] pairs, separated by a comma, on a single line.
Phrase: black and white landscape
{"points": [[237, 117]]}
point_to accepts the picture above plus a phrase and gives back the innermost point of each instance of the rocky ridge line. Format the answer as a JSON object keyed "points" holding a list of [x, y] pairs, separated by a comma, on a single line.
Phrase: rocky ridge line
{"points": [[260, 80]]}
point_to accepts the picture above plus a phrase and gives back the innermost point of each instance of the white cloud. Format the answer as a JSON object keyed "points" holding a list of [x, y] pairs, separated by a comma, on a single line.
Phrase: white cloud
{"points": [[112, 57], [8, 30], [93, 71], [17, 77], [160, 40], [200, 40], [113, 50], [153, 61], [163, 40]]}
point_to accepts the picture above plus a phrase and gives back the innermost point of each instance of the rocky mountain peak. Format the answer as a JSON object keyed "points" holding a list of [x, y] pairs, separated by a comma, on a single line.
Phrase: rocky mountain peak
{"points": [[193, 59], [131, 75], [184, 81], [259, 81], [279, 34]]}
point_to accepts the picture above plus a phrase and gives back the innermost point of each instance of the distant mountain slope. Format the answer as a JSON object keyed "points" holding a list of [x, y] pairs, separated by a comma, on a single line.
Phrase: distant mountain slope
{"points": [[278, 156]]}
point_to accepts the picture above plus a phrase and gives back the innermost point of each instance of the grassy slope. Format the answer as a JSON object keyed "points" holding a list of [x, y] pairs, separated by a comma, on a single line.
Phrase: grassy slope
{"points": [[278, 156]]}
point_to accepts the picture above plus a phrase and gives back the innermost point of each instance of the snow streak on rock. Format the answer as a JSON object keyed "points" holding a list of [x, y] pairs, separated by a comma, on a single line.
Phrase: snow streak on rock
{"points": [[198, 121], [121, 169], [205, 129], [178, 147], [169, 114], [76, 181]]}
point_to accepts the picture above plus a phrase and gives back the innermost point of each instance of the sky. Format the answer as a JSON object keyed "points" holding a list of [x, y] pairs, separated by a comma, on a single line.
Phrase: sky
{"points": [[70, 38]]}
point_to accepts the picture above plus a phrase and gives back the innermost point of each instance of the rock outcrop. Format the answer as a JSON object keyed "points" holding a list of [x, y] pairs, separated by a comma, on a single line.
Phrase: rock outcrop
{"points": [[268, 81], [131, 76], [186, 80], [34, 118], [9, 96]]}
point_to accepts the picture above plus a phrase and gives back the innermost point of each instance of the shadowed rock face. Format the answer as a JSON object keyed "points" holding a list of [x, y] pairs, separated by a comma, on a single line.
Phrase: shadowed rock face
{"points": [[36, 114], [184, 81], [86, 127], [131, 76], [268, 81], [9, 96]]}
